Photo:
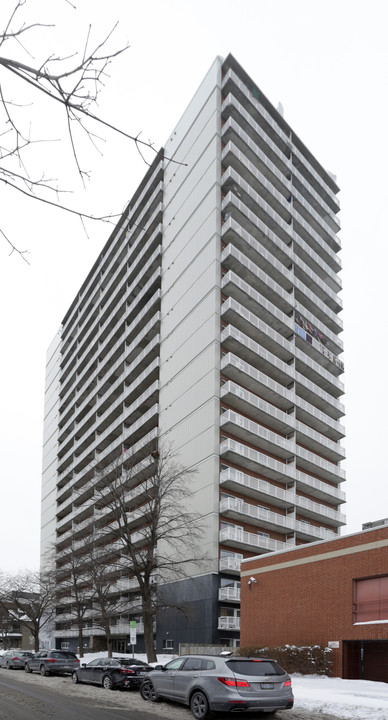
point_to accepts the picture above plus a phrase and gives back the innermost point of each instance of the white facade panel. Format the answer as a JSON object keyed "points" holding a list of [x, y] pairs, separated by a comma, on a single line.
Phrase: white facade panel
{"points": [[196, 152], [50, 449], [193, 294], [211, 80], [188, 341]]}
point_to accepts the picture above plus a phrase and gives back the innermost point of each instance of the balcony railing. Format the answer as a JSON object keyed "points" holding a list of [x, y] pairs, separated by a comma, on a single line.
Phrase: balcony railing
{"points": [[228, 623], [230, 564], [231, 594]]}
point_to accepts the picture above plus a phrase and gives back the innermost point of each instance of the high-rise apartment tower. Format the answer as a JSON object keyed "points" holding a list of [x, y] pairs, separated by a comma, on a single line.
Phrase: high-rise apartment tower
{"points": [[211, 318]]}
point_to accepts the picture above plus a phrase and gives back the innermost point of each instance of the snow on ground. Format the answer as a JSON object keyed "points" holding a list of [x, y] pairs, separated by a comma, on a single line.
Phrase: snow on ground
{"points": [[361, 699], [351, 699], [355, 699]]}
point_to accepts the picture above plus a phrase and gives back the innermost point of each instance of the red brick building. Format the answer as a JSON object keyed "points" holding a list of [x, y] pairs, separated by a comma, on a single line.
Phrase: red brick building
{"points": [[333, 593]]}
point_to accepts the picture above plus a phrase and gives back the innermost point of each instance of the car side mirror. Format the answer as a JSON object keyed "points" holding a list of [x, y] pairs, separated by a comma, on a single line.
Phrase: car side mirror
{"points": [[159, 667], [83, 665]]}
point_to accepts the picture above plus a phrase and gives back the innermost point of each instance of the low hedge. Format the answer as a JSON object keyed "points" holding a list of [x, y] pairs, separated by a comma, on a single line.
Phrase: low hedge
{"points": [[305, 660]]}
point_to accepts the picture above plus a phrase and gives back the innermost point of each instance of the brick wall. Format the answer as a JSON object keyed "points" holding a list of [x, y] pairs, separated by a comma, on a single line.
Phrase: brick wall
{"points": [[305, 595]]}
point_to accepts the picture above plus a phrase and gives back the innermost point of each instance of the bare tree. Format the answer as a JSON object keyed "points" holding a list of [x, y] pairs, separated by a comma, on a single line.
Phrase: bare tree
{"points": [[73, 83], [148, 516], [74, 593], [29, 598], [107, 603]]}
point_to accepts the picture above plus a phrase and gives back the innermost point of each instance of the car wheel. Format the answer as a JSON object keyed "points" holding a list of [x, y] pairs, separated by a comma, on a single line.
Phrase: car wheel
{"points": [[44, 671], [27, 668], [8, 666], [74, 678], [199, 706], [107, 683], [147, 692]]}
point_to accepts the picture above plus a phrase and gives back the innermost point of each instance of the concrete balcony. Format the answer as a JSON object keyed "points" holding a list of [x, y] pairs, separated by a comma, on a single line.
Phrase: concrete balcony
{"points": [[282, 422], [313, 394], [244, 294], [248, 323], [236, 537], [236, 341], [313, 269], [276, 445], [230, 565], [260, 252], [256, 408], [89, 327], [316, 371], [262, 212], [262, 491], [252, 138], [254, 286], [318, 420], [228, 623], [127, 584], [241, 511], [310, 462], [308, 300], [317, 200], [83, 375], [232, 83], [256, 488], [103, 397], [303, 165], [253, 460], [256, 382], [229, 594], [249, 161], [257, 189], [255, 434]]}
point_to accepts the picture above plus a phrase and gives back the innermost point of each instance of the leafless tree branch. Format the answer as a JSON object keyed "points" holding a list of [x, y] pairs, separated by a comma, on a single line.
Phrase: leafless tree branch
{"points": [[73, 82]]}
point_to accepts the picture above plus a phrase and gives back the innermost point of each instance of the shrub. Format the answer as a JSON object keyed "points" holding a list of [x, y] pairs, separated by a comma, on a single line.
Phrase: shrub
{"points": [[306, 660]]}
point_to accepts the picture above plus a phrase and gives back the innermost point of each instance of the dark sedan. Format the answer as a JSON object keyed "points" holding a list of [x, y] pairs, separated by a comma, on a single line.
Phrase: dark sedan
{"points": [[112, 673]]}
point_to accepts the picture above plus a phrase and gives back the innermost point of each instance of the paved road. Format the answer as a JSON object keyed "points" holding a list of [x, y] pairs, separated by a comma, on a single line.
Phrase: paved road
{"points": [[32, 697], [20, 701]]}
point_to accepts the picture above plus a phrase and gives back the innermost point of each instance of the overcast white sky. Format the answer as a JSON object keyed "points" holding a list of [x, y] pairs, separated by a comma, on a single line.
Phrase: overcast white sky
{"points": [[326, 61]]}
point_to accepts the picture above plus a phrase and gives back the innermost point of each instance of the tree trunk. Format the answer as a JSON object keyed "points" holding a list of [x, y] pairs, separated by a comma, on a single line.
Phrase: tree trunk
{"points": [[80, 639], [109, 643], [148, 620]]}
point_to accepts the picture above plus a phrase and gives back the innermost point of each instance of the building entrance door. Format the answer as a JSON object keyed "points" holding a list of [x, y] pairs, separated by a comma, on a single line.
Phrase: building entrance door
{"points": [[365, 660]]}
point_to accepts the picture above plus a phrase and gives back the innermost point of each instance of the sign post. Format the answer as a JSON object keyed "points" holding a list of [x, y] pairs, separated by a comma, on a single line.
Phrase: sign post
{"points": [[132, 635]]}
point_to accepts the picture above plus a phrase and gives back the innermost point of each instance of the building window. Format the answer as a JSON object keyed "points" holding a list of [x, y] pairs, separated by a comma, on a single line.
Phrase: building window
{"points": [[64, 645], [371, 600], [168, 644]]}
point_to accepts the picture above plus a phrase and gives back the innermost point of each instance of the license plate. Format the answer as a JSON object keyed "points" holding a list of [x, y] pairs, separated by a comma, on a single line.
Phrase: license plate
{"points": [[266, 686]]}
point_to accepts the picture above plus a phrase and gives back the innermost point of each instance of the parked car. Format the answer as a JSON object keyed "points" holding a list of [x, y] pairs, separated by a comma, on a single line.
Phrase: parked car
{"points": [[15, 658], [217, 683], [112, 672], [52, 662]]}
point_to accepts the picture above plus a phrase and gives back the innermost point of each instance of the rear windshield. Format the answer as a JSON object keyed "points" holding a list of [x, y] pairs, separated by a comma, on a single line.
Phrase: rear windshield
{"points": [[255, 667], [129, 661], [66, 655]]}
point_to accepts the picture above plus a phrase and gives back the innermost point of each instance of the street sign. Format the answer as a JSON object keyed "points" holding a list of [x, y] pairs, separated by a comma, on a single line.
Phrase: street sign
{"points": [[132, 636]]}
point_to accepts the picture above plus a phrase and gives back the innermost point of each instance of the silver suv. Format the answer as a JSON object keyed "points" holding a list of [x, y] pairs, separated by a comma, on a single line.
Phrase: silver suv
{"points": [[52, 662], [209, 683]]}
